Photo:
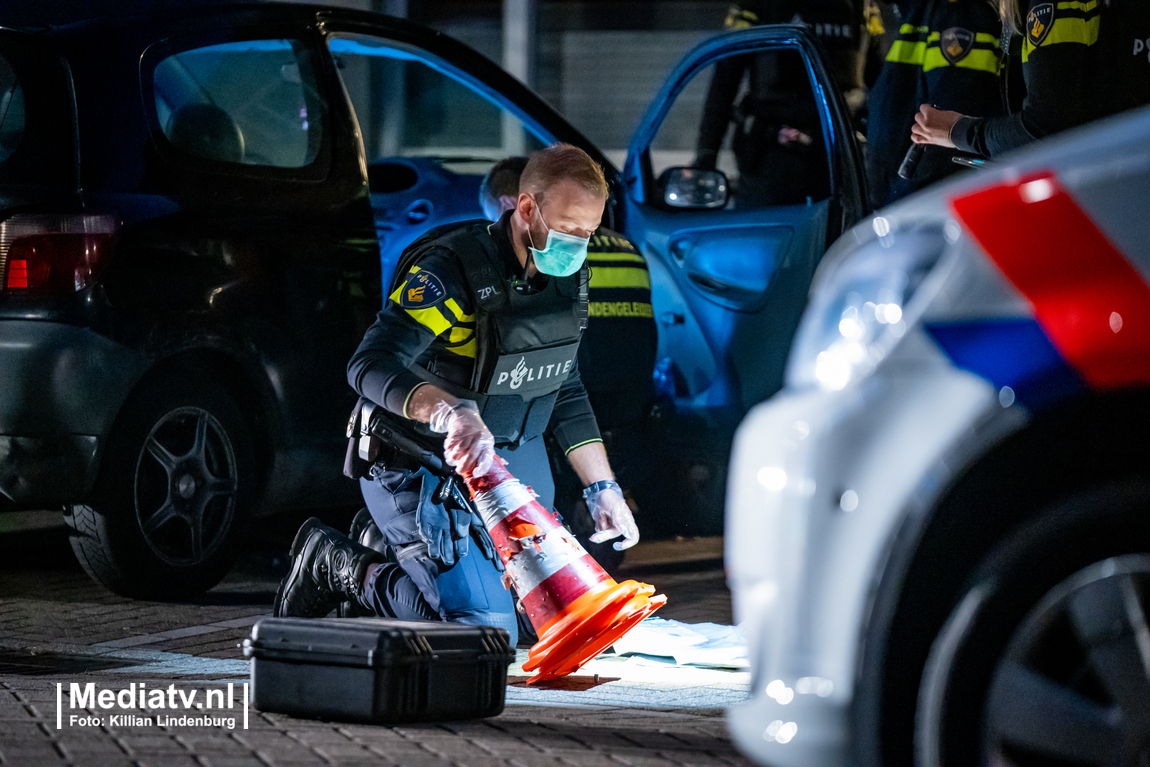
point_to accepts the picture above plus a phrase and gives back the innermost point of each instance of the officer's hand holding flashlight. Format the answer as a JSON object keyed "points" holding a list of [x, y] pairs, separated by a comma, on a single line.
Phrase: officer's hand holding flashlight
{"points": [[612, 515], [469, 446], [933, 126]]}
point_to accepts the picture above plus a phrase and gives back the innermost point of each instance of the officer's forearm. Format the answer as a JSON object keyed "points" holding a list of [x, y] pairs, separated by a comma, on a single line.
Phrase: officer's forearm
{"points": [[422, 400], [590, 463]]}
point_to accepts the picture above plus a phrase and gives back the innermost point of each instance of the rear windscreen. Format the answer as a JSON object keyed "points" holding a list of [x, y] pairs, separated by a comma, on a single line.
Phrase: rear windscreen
{"points": [[11, 110], [36, 123]]}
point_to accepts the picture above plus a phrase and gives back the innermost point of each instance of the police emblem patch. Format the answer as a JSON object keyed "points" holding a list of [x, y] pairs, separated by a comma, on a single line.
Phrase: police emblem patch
{"points": [[1038, 23], [422, 289], [955, 43]]}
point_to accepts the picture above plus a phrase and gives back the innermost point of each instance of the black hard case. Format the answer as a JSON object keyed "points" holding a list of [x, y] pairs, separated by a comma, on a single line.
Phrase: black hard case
{"points": [[378, 670]]}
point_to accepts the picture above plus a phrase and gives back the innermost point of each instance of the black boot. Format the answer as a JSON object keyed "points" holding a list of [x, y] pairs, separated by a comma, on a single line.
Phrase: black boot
{"points": [[365, 532], [327, 568]]}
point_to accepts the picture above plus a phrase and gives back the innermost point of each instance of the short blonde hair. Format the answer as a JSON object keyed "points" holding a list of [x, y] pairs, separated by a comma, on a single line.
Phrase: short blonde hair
{"points": [[560, 162]]}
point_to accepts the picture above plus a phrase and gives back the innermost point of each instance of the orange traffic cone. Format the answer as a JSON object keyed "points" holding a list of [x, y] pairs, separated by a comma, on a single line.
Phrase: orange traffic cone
{"points": [[577, 609]]}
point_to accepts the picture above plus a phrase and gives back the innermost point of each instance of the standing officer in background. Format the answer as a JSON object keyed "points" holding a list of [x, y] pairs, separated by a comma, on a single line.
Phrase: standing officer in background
{"points": [[1081, 60], [477, 342], [778, 141], [621, 336], [946, 53]]}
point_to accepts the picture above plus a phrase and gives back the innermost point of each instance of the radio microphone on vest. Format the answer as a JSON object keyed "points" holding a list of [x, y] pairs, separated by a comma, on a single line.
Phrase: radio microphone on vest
{"points": [[910, 162]]}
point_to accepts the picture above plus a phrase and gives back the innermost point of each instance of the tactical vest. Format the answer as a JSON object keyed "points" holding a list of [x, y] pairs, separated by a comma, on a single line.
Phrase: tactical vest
{"points": [[525, 344]]}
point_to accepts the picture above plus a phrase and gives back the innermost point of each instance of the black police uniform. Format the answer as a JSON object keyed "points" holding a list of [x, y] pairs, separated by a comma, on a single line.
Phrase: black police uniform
{"points": [[621, 336], [946, 54], [462, 317], [779, 95], [1080, 61]]}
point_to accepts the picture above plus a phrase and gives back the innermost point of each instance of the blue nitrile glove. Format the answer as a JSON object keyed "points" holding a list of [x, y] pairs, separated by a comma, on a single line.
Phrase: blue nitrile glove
{"points": [[446, 534]]}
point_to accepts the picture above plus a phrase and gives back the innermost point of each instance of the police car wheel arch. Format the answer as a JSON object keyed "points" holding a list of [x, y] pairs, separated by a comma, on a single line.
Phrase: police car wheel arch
{"points": [[1047, 651]]}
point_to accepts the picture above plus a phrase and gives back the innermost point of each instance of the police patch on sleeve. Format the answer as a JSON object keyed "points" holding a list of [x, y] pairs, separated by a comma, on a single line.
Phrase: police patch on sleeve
{"points": [[422, 289], [1038, 23], [955, 43]]}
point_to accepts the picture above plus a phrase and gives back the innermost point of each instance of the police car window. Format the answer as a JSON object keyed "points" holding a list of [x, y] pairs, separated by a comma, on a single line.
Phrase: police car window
{"points": [[253, 102], [755, 118], [11, 110], [411, 104]]}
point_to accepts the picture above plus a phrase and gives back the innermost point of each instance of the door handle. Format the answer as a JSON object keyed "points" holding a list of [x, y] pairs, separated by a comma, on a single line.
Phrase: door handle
{"points": [[419, 211], [679, 248], [708, 284]]}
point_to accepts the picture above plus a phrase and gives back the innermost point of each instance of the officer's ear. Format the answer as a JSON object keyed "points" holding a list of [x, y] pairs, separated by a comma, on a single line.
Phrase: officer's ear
{"points": [[525, 207]]}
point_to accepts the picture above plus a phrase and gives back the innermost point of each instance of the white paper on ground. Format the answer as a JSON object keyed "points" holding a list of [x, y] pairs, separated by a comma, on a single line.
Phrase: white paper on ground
{"points": [[707, 645]]}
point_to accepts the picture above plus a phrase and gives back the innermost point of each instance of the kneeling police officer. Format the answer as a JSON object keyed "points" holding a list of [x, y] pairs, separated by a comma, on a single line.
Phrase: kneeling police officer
{"points": [[476, 342]]}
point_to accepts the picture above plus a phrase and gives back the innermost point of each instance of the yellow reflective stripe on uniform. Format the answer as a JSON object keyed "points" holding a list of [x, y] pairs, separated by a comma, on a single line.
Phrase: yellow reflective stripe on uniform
{"points": [[459, 334], [911, 29], [457, 310], [620, 309], [1074, 5], [979, 58], [467, 350], [620, 277], [906, 52], [616, 257], [1066, 30], [431, 318]]}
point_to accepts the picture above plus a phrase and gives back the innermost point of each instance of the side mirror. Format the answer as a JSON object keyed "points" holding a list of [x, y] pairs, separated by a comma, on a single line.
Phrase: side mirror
{"points": [[693, 188]]}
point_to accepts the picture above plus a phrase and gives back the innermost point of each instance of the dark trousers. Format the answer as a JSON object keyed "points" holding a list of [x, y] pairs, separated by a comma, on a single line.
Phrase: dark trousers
{"points": [[470, 591]]}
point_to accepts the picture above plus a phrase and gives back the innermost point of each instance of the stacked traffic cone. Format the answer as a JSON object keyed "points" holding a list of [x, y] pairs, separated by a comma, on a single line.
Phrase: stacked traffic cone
{"points": [[577, 609]]}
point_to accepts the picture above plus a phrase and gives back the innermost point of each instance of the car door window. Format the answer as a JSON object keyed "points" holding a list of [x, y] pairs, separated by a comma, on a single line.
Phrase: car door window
{"points": [[430, 133], [411, 104], [755, 118], [253, 102]]}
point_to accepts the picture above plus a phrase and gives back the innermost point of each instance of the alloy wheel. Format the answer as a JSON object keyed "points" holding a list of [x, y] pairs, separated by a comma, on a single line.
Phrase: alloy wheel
{"points": [[186, 486], [1073, 687]]}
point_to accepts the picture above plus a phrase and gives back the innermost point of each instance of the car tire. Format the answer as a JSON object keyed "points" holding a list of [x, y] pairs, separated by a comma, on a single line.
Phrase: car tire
{"points": [[1045, 659], [177, 485]]}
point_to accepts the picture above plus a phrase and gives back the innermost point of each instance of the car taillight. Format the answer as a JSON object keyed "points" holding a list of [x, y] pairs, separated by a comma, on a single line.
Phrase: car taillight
{"points": [[54, 253]]}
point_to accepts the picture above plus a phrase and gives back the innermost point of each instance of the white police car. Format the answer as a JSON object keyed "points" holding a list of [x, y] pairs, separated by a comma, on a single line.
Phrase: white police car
{"points": [[938, 533]]}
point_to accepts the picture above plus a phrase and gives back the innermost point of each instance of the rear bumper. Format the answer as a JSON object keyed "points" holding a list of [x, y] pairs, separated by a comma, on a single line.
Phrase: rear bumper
{"points": [[56, 469], [61, 388]]}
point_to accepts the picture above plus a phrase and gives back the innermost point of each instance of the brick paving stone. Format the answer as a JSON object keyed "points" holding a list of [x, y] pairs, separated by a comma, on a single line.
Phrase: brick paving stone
{"points": [[643, 760], [506, 746], [212, 744], [419, 760], [152, 744], [589, 759], [16, 729], [649, 740], [341, 751], [218, 760], [294, 761], [168, 760], [316, 736], [16, 752], [370, 732]]}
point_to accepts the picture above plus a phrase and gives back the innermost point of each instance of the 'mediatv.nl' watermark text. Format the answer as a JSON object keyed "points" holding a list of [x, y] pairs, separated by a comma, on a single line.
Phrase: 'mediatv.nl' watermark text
{"points": [[140, 706]]}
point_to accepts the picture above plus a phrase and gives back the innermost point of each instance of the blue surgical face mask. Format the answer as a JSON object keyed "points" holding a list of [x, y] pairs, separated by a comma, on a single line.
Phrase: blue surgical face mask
{"points": [[564, 253]]}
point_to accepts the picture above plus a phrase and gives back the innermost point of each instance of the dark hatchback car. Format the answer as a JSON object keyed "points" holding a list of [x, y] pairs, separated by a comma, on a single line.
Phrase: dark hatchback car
{"points": [[194, 210]]}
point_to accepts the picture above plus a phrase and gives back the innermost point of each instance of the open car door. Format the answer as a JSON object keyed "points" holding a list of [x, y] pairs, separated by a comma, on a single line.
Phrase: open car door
{"points": [[741, 173]]}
